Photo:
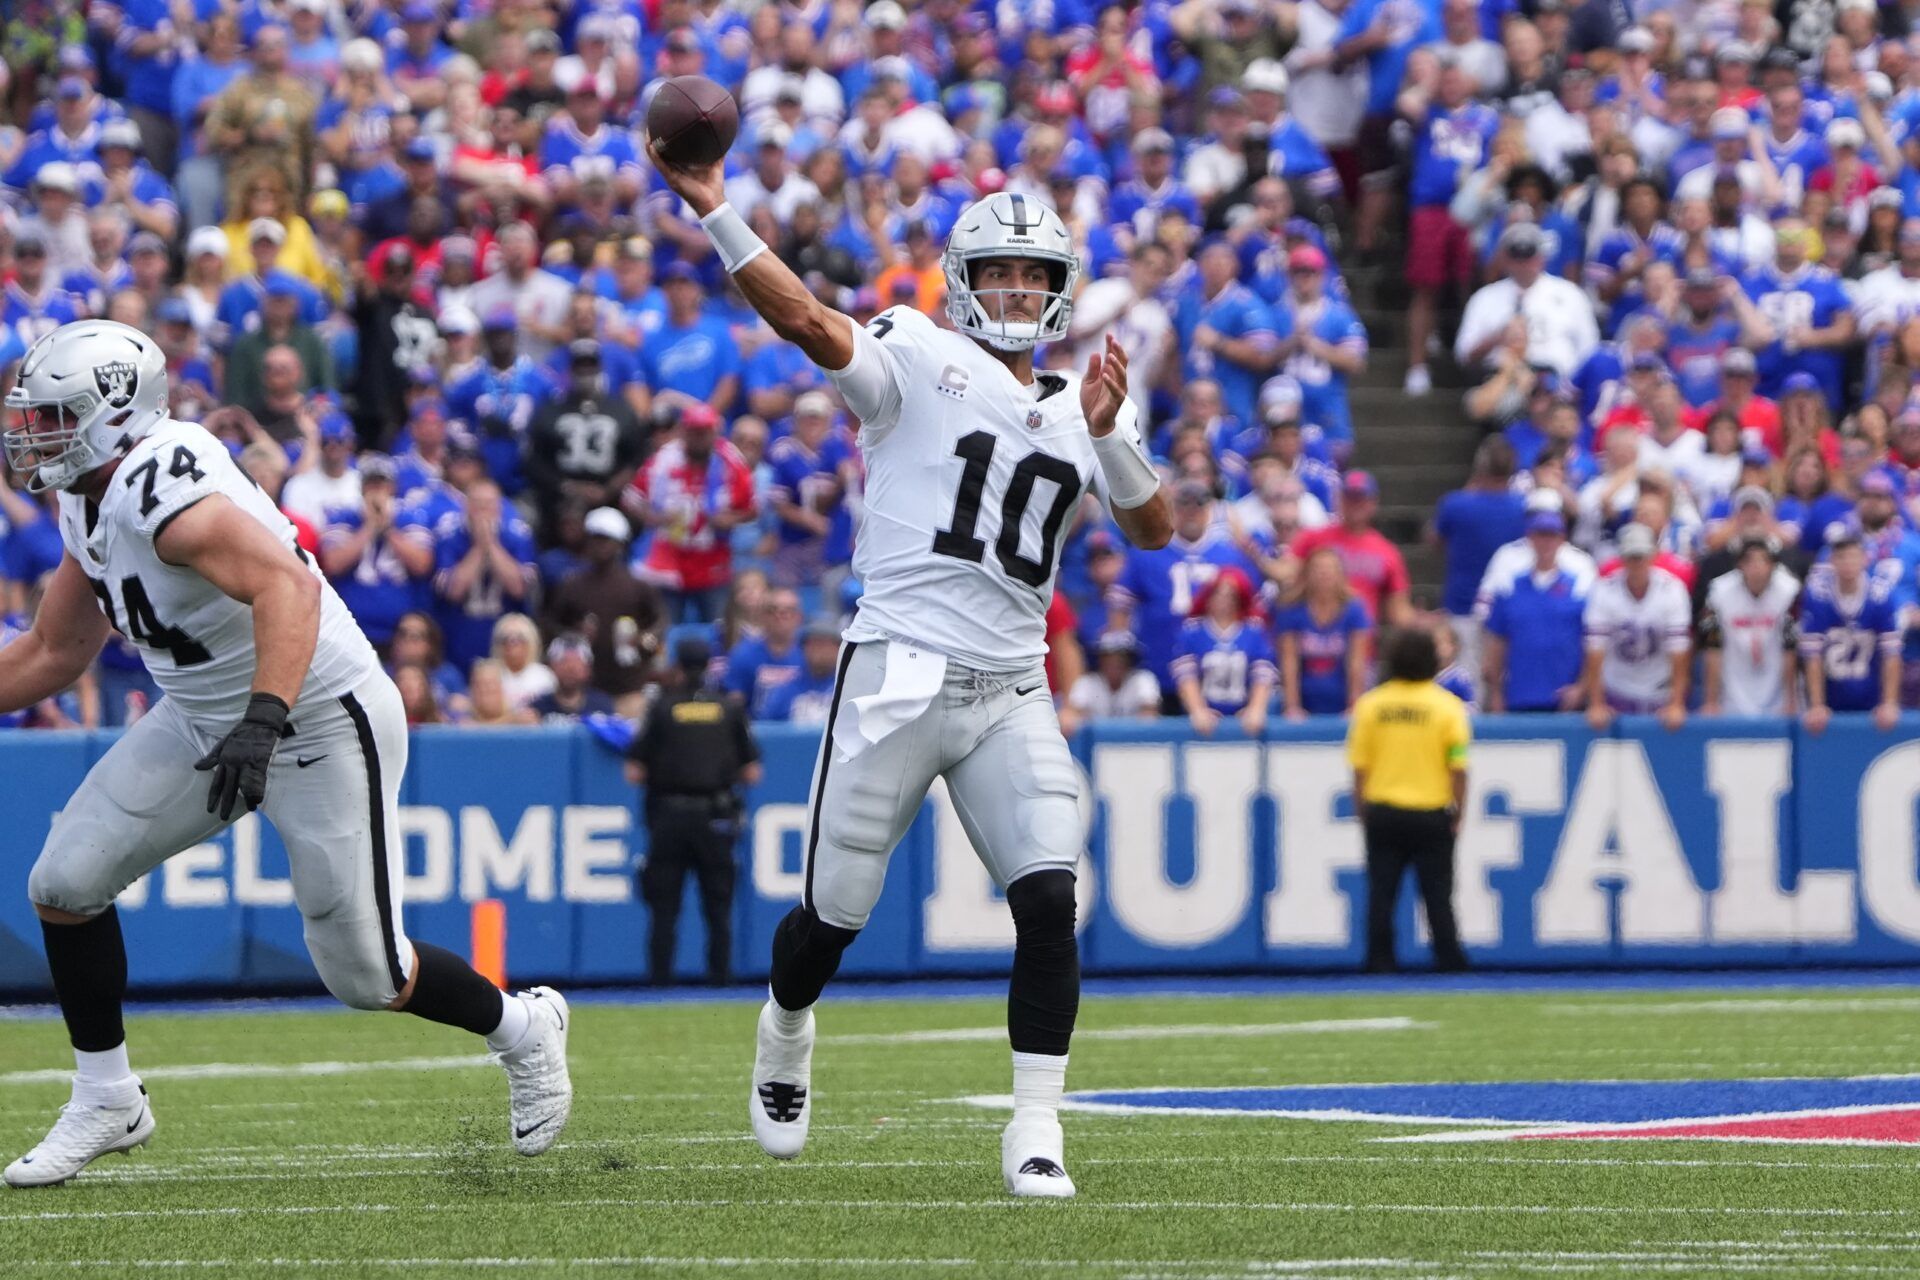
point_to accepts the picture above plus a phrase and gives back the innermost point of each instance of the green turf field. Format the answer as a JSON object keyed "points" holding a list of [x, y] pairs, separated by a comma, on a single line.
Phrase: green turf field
{"points": [[378, 1170]]}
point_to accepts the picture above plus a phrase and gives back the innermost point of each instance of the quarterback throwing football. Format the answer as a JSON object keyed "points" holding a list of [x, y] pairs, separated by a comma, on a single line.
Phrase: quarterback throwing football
{"points": [[274, 701], [975, 464]]}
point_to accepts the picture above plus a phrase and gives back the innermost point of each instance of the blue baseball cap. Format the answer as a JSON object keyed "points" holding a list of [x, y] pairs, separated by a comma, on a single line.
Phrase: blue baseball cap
{"points": [[279, 284], [71, 88], [173, 311], [419, 11], [336, 426], [1800, 383], [1547, 522], [418, 148], [678, 270], [499, 321]]}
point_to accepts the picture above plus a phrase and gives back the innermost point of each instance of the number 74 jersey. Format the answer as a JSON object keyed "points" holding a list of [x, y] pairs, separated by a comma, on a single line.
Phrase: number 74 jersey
{"points": [[196, 640], [973, 480]]}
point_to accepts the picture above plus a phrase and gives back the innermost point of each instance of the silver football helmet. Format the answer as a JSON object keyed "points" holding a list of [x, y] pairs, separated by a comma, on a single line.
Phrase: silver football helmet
{"points": [[84, 394], [1009, 225]]}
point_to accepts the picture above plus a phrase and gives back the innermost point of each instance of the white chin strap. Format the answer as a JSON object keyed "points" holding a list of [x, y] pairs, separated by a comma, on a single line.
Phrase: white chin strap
{"points": [[1013, 335]]}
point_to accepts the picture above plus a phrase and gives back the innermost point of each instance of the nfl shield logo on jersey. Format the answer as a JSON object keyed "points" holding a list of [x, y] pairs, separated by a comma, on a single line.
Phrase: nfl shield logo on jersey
{"points": [[1033, 419], [117, 382]]}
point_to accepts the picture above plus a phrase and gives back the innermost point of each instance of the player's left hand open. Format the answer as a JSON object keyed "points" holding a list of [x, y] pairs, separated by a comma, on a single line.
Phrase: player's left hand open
{"points": [[239, 761], [1104, 388]]}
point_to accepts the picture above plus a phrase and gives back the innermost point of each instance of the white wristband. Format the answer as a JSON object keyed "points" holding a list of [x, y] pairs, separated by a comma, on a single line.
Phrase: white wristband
{"points": [[731, 235], [1131, 479]]}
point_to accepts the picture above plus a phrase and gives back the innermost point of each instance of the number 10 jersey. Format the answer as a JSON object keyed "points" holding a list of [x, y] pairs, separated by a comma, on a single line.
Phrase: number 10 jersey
{"points": [[196, 640], [973, 480]]}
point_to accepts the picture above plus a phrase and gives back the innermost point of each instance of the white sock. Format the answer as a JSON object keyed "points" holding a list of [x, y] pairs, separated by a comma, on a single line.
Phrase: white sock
{"points": [[514, 1022], [788, 1022], [1039, 1079], [109, 1066]]}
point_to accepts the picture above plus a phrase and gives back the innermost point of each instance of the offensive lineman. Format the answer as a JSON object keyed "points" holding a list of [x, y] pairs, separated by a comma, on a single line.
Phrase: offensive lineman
{"points": [[271, 689], [974, 460]]}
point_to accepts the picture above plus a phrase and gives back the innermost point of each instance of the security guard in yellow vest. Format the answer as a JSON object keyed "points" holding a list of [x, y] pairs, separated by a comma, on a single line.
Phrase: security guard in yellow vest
{"points": [[694, 753], [1407, 742]]}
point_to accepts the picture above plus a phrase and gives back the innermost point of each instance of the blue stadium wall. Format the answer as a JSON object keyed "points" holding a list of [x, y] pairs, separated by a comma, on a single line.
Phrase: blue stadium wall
{"points": [[1722, 844]]}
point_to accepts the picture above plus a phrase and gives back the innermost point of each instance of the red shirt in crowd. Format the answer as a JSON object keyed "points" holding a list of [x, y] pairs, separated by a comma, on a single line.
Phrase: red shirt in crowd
{"points": [[688, 553], [1759, 421], [1061, 621], [1373, 564], [1679, 566]]}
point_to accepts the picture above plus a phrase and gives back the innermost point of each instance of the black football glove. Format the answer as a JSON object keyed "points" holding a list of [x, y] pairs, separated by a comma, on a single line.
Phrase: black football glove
{"points": [[239, 761]]}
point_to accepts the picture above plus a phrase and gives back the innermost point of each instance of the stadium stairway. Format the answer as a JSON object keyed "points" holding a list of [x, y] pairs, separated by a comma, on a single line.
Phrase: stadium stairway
{"points": [[1416, 449]]}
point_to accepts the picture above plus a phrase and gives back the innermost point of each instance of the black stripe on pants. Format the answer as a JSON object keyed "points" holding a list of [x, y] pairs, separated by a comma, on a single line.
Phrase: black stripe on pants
{"points": [[826, 758], [1422, 838], [377, 819]]}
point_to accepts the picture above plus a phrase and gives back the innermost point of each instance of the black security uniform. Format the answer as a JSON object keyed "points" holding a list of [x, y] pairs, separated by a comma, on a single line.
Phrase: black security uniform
{"points": [[695, 747]]}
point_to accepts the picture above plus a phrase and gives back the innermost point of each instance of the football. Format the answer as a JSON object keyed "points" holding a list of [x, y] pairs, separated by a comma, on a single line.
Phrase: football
{"points": [[693, 120]]}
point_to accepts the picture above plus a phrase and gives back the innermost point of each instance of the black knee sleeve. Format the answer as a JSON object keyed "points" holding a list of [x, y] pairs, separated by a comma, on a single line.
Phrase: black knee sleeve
{"points": [[89, 966], [1044, 996], [806, 954], [447, 990]]}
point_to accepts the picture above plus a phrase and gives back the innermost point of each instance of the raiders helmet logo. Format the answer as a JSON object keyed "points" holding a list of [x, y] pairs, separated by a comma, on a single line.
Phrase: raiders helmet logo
{"points": [[117, 382]]}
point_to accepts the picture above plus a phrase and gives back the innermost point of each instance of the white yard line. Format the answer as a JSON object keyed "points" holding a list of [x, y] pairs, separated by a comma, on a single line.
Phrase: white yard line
{"points": [[1087, 1205], [1187, 1269], [1229, 1030], [258, 1164], [260, 1071], [1734, 1004]]}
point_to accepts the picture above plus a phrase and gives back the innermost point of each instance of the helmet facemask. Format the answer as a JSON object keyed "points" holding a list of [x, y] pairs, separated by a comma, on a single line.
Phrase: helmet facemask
{"points": [[47, 442], [964, 307]]}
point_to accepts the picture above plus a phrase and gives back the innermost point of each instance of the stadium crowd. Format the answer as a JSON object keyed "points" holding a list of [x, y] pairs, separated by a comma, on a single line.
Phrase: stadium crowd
{"points": [[408, 259]]}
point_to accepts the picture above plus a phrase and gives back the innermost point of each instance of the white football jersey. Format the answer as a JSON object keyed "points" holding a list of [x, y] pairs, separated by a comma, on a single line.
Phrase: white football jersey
{"points": [[196, 640], [972, 484], [1639, 636], [1754, 634]]}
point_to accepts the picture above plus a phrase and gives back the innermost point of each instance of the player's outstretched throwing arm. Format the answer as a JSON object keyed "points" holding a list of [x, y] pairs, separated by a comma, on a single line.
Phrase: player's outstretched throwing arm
{"points": [[861, 366], [240, 556]]}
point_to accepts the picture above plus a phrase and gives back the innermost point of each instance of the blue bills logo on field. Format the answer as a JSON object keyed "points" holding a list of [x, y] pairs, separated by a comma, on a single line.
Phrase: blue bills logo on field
{"points": [[1850, 1110]]}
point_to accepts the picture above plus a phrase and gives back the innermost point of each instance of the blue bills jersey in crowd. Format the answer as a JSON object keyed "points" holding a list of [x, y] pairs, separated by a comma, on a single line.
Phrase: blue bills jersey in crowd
{"points": [[1324, 648], [755, 671], [1542, 621], [1230, 664], [1851, 636], [1809, 298], [1160, 586], [805, 699], [467, 621]]}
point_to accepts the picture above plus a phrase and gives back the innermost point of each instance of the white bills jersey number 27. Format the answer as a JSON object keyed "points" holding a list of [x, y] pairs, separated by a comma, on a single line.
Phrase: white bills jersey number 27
{"points": [[973, 478]]}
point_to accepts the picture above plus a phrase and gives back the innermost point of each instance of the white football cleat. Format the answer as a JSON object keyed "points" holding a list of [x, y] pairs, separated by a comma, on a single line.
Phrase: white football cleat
{"points": [[782, 1074], [538, 1084], [1031, 1159], [98, 1119]]}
